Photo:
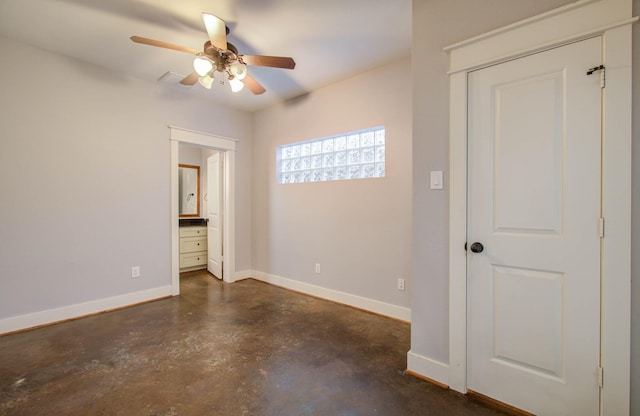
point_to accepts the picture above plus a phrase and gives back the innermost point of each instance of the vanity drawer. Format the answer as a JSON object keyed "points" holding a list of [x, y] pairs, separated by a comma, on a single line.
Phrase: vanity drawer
{"points": [[193, 259], [193, 231], [191, 244]]}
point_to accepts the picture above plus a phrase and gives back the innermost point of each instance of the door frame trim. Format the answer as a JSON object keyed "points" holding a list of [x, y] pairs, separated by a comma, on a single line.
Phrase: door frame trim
{"points": [[610, 19], [228, 148]]}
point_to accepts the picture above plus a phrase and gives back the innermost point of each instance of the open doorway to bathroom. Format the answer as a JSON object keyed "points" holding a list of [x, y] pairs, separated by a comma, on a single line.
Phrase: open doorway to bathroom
{"points": [[201, 149], [201, 231]]}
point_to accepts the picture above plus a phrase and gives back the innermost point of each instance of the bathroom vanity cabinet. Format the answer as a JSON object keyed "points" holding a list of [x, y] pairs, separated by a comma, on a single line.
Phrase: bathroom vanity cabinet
{"points": [[193, 248]]}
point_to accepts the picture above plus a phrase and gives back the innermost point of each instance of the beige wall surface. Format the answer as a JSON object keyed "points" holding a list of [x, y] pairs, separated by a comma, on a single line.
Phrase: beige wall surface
{"points": [[635, 223], [84, 174], [358, 230]]}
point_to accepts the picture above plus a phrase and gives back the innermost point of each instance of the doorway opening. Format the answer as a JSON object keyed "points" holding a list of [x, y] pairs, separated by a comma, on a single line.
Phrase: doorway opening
{"points": [[201, 189], [226, 148]]}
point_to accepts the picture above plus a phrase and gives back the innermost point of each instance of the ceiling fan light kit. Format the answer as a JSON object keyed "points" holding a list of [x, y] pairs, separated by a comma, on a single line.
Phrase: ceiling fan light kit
{"points": [[218, 55]]}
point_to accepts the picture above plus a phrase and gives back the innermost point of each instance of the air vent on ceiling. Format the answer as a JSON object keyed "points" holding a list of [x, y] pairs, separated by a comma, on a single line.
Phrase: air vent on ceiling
{"points": [[172, 78]]}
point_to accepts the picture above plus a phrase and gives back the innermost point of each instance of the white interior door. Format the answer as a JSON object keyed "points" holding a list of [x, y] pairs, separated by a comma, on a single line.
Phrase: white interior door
{"points": [[534, 147], [214, 216]]}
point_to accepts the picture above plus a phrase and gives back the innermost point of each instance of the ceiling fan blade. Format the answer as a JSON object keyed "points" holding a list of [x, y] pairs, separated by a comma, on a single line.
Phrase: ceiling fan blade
{"points": [[253, 85], [161, 44], [190, 79], [216, 29], [272, 61]]}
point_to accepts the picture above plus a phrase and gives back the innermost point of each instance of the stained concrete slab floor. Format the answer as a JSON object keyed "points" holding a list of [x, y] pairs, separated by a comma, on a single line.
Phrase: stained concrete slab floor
{"points": [[220, 349]]}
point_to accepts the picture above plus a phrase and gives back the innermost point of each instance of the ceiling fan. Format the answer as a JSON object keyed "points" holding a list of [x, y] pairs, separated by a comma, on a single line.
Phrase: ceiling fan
{"points": [[220, 59]]}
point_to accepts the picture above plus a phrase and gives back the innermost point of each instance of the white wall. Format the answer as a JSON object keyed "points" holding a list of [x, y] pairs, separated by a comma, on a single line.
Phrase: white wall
{"points": [[84, 179], [358, 230], [190, 155]]}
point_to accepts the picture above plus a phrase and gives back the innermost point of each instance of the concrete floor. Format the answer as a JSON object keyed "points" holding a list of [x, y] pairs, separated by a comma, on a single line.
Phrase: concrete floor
{"points": [[246, 348]]}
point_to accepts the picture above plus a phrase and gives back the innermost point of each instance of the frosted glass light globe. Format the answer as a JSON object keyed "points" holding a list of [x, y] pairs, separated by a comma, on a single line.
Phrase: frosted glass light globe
{"points": [[202, 66], [239, 70], [206, 81], [235, 84]]}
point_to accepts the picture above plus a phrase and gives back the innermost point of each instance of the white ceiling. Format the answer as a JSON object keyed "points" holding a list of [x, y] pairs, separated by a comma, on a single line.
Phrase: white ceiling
{"points": [[329, 40]]}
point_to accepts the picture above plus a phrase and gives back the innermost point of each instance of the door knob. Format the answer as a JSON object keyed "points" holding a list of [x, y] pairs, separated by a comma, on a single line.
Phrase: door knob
{"points": [[477, 247]]}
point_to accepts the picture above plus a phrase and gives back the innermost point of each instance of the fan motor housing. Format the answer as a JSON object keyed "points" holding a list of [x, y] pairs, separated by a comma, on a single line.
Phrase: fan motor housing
{"points": [[220, 58]]}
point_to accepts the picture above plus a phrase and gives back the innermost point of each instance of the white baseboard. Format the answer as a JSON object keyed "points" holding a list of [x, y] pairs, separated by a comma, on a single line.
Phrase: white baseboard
{"points": [[242, 274], [371, 305], [426, 367], [20, 322]]}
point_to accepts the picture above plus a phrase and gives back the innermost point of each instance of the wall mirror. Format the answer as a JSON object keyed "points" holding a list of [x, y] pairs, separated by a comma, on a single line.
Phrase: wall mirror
{"points": [[189, 190]]}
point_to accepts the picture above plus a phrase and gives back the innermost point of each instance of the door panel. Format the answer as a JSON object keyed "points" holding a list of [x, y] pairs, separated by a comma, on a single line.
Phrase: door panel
{"points": [[529, 143], [214, 224], [534, 299], [534, 203]]}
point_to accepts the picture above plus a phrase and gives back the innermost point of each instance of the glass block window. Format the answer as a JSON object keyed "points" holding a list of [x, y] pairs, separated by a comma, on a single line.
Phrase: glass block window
{"points": [[355, 155]]}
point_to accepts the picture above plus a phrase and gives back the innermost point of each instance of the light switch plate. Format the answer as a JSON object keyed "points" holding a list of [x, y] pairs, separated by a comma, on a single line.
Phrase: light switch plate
{"points": [[437, 179]]}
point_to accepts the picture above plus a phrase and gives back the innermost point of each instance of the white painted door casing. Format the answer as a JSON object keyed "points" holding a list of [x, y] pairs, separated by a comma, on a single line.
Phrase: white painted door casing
{"points": [[228, 147]]}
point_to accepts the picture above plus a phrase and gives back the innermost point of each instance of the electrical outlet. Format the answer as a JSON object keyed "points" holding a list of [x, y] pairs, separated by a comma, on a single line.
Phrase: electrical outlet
{"points": [[135, 271], [318, 268], [400, 284]]}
